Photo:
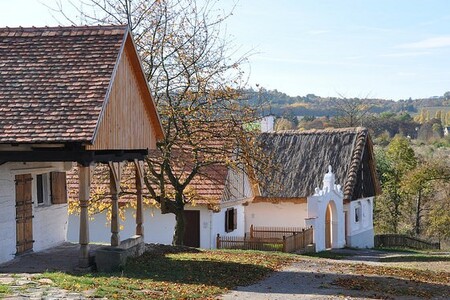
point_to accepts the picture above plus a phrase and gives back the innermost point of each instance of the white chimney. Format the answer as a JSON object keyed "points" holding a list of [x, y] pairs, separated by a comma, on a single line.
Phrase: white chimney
{"points": [[267, 123]]}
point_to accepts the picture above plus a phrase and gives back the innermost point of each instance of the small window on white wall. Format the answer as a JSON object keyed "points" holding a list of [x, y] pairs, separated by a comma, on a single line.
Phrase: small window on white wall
{"points": [[43, 189], [230, 219], [357, 213]]}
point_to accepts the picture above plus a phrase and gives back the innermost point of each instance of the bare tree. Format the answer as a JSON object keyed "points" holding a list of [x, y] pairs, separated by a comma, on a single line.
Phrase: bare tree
{"points": [[195, 83], [350, 112]]}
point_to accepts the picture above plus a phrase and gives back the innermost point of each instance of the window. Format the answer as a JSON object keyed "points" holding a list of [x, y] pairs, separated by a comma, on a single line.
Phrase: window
{"points": [[51, 188], [230, 219], [42, 189], [357, 213]]}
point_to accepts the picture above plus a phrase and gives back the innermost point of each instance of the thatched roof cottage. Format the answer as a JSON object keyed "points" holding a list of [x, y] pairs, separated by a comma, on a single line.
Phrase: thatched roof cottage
{"points": [[338, 205]]}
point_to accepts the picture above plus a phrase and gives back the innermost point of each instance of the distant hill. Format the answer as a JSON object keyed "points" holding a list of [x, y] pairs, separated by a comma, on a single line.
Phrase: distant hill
{"points": [[279, 103]]}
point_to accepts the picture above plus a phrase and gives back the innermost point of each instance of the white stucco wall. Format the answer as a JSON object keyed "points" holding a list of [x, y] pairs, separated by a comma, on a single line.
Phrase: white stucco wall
{"points": [[49, 222], [270, 214], [158, 228], [49, 226], [7, 215], [360, 234], [218, 223]]}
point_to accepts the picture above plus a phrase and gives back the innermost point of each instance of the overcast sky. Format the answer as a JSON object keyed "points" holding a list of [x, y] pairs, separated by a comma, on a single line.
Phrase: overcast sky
{"points": [[392, 49]]}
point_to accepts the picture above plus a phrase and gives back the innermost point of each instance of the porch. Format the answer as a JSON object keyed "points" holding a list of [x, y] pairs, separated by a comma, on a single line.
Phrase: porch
{"points": [[63, 257]]}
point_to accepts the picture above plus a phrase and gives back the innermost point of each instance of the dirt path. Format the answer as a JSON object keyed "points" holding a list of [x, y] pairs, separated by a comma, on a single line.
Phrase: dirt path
{"points": [[359, 276]]}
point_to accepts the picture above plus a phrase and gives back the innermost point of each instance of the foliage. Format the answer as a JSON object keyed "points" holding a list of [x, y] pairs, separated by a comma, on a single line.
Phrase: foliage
{"points": [[182, 275], [419, 185], [196, 85], [4, 290], [439, 216], [391, 124], [392, 165], [283, 124]]}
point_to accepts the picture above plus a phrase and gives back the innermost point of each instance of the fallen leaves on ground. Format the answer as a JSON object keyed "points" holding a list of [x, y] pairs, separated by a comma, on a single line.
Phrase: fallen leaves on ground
{"points": [[177, 273], [395, 281]]}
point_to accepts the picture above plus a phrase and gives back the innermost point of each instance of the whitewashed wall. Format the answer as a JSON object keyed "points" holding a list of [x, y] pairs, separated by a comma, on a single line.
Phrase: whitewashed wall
{"points": [[158, 228], [49, 226], [49, 222], [360, 234], [7, 215], [329, 195], [271, 214], [218, 223]]}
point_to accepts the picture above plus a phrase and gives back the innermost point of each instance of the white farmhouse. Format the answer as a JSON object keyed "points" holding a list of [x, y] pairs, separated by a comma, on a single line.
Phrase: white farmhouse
{"points": [[67, 95], [321, 178]]}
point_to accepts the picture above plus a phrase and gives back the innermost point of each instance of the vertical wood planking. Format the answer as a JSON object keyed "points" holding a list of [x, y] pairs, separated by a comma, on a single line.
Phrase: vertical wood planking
{"points": [[24, 213], [126, 122]]}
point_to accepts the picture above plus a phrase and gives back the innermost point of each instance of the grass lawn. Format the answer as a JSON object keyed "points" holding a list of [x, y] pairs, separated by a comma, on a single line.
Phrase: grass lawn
{"points": [[4, 290], [199, 274]]}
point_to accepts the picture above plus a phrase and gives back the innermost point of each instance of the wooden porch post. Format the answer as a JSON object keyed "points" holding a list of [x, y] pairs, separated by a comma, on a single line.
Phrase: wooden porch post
{"points": [[114, 187], [139, 176], [84, 188]]}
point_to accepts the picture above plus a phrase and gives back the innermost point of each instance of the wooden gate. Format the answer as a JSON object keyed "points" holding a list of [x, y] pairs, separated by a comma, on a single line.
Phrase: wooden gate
{"points": [[24, 214], [192, 228]]}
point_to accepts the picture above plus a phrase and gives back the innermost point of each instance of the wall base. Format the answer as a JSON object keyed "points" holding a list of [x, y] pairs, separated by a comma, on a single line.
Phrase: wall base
{"points": [[363, 239]]}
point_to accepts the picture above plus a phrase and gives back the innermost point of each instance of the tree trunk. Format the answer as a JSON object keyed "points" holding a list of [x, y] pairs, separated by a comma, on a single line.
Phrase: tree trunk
{"points": [[178, 235], [418, 210]]}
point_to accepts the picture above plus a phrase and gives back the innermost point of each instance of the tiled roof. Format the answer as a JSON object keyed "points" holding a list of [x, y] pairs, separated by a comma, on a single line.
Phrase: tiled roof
{"points": [[205, 189], [53, 81]]}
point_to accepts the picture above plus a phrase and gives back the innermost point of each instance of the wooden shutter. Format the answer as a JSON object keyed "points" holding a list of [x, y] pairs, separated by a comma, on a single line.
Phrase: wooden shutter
{"points": [[24, 214], [58, 187], [235, 218]]}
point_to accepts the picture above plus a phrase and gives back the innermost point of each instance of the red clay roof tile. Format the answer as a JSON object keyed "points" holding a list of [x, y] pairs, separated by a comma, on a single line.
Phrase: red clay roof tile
{"points": [[53, 81]]}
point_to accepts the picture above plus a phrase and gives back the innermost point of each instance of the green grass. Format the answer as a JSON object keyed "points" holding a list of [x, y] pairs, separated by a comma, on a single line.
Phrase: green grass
{"points": [[177, 275], [4, 290], [329, 255]]}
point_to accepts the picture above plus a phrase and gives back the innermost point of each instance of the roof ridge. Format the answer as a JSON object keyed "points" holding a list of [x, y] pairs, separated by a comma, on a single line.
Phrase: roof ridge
{"points": [[318, 131], [72, 27], [356, 158]]}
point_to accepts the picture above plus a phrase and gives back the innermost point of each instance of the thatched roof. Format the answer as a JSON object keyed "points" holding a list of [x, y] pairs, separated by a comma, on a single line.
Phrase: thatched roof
{"points": [[301, 159]]}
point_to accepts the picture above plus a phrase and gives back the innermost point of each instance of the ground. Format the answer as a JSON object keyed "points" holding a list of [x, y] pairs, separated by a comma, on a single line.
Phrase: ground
{"points": [[343, 274], [358, 274]]}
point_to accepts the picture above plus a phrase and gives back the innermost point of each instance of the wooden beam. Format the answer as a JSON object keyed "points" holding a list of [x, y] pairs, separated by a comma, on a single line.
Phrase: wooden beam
{"points": [[83, 157], [84, 189], [139, 177], [114, 186]]}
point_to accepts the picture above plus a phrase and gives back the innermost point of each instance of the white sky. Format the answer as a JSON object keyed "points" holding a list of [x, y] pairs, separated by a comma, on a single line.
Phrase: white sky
{"points": [[392, 49]]}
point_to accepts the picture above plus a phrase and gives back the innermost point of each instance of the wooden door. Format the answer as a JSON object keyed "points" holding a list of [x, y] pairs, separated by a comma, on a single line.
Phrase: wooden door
{"points": [[192, 228], [24, 214], [328, 227]]}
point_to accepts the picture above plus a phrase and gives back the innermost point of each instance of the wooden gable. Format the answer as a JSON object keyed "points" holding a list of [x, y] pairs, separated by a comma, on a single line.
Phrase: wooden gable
{"points": [[129, 120]]}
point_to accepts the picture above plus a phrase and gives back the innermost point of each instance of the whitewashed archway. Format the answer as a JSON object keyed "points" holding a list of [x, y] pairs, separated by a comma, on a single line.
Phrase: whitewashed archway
{"points": [[329, 197]]}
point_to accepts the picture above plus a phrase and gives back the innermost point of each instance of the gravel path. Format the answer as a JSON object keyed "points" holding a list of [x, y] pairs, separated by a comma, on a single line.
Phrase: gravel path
{"points": [[317, 279]]}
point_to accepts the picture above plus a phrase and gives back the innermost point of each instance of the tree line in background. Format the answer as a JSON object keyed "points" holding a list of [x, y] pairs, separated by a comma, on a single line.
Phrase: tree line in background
{"points": [[412, 155]]}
